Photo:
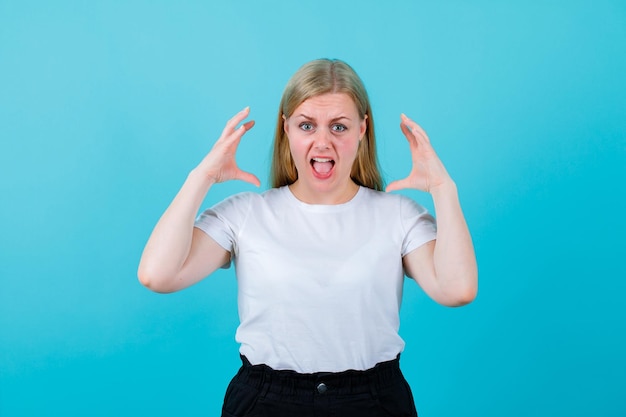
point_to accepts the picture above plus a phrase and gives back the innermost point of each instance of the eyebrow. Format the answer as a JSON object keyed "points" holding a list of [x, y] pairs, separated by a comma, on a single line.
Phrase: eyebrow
{"points": [[312, 118]]}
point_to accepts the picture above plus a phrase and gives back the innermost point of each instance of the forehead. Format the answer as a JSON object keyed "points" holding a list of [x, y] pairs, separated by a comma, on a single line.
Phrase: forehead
{"points": [[327, 105]]}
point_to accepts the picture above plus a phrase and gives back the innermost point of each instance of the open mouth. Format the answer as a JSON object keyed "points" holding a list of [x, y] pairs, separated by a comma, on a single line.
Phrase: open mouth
{"points": [[322, 166]]}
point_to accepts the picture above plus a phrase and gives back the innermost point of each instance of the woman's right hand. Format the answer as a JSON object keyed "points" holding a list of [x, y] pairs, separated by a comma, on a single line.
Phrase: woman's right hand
{"points": [[219, 165], [177, 255]]}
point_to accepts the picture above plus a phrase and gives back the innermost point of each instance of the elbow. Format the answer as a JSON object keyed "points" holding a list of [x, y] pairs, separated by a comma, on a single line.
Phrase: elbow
{"points": [[145, 279], [465, 297], [462, 294], [153, 281]]}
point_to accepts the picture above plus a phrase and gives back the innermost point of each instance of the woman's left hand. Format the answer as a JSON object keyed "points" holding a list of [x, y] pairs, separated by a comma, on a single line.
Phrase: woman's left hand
{"points": [[446, 267], [428, 171]]}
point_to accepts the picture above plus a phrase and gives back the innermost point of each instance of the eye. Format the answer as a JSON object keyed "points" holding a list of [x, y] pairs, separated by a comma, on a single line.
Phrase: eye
{"points": [[306, 126], [339, 127]]}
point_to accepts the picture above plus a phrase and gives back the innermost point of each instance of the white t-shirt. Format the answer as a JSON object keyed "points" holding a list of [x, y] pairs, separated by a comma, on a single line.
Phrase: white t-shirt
{"points": [[319, 286]]}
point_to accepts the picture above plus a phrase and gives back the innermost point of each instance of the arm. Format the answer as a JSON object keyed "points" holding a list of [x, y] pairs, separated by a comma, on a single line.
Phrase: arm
{"points": [[446, 268], [177, 255]]}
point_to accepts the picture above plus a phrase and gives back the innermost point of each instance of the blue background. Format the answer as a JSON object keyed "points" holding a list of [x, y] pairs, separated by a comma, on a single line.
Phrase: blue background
{"points": [[105, 106]]}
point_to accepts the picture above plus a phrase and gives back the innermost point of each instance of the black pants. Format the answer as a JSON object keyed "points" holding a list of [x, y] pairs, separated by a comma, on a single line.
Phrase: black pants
{"points": [[260, 391]]}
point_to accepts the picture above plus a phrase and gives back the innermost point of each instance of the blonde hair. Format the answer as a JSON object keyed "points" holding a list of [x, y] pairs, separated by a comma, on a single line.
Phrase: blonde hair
{"points": [[314, 78]]}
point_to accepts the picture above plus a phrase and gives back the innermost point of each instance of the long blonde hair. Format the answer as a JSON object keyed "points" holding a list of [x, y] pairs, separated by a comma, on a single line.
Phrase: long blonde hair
{"points": [[314, 78]]}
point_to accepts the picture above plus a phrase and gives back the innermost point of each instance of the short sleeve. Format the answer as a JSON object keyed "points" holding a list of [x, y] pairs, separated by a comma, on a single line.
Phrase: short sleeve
{"points": [[224, 221], [419, 226]]}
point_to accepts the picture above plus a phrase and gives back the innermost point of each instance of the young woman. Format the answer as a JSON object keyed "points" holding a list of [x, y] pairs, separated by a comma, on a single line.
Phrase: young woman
{"points": [[320, 258]]}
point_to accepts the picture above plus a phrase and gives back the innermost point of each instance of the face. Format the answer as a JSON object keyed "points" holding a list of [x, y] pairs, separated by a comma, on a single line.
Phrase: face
{"points": [[324, 134]]}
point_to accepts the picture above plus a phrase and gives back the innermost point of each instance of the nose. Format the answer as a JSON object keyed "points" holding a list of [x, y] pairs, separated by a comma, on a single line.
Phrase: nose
{"points": [[322, 139]]}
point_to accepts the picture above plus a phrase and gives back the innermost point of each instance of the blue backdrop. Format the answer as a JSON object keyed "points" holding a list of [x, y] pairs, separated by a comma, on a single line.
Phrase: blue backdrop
{"points": [[105, 106]]}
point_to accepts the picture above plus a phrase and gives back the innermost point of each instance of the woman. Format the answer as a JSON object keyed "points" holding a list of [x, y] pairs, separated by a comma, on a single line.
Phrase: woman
{"points": [[320, 258]]}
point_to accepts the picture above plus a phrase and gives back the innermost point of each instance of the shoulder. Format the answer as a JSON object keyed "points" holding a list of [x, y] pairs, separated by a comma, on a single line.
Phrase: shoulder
{"points": [[391, 201], [248, 200], [248, 197], [235, 201]]}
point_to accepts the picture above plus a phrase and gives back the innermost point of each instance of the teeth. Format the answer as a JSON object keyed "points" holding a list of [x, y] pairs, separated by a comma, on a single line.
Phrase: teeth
{"points": [[322, 159]]}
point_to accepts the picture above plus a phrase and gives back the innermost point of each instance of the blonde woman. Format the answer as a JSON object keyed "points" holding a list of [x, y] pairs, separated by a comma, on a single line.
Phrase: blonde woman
{"points": [[320, 258]]}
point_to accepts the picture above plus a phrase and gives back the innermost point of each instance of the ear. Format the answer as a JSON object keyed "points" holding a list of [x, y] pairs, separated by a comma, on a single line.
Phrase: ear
{"points": [[285, 124], [362, 128]]}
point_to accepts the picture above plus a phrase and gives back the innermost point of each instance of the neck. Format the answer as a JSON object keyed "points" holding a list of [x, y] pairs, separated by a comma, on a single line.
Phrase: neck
{"points": [[312, 196]]}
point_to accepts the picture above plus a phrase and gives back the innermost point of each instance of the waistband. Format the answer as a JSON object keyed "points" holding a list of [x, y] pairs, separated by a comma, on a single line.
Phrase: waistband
{"points": [[350, 382]]}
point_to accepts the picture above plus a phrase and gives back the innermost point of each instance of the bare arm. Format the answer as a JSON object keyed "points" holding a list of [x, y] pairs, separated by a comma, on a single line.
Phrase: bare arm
{"points": [[177, 255], [446, 268]]}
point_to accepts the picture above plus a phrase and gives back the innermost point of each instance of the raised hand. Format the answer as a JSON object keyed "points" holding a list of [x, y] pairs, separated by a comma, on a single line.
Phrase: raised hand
{"points": [[219, 164], [428, 171]]}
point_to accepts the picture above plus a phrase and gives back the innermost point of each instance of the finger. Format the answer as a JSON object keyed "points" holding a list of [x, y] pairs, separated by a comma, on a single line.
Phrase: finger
{"points": [[234, 137], [248, 177], [398, 185], [248, 125], [229, 141], [408, 133], [235, 120], [415, 128], [417, 137], [240, 131]]}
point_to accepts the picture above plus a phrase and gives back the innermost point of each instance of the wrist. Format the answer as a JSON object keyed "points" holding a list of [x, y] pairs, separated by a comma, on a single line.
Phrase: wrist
{"points": [[447, 187], [200, 177]]}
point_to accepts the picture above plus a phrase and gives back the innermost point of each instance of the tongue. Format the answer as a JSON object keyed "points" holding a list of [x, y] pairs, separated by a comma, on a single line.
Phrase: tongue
{"points": [[323, 167]]}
